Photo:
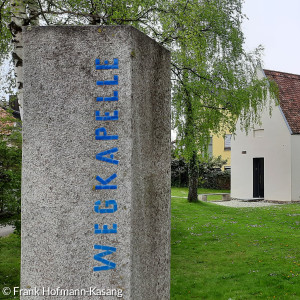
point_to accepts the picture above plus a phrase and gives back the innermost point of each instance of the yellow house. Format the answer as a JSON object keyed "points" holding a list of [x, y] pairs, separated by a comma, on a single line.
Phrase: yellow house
{"points": [[221, 146]]}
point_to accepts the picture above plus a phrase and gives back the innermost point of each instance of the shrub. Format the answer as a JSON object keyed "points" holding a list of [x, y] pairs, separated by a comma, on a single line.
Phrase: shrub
{"points": [[10, 174], [179, 172], [210, 174]]}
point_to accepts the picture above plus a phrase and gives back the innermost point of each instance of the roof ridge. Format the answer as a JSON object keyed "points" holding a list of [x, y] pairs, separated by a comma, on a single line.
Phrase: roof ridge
{"points": [[283, 74], [289, 97]]}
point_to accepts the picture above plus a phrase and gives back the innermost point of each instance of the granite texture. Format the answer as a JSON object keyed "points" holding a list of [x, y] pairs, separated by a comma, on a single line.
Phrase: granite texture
{"points": [[62, 158]]}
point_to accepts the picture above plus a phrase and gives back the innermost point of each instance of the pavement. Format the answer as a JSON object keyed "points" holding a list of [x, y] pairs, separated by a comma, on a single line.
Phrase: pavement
{"points": [[239, 203], [6, 230]]}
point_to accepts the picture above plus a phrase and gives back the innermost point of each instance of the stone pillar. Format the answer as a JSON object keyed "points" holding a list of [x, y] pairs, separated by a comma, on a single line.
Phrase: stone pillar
{"points": [[96, 164]]}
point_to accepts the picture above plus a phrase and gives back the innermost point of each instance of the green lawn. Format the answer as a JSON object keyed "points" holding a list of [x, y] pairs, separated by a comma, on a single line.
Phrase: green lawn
{"points": [[234, 253], [10, 251], [217, 252], [183, 192]]}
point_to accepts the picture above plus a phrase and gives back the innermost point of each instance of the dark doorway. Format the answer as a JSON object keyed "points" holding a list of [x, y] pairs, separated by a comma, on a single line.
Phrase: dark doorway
{"points": [[258, 177]]}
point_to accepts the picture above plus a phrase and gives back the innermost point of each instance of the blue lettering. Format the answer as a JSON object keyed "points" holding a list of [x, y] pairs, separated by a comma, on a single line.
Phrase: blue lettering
{"points": [[109, 82], [107, 116], [113, 98], [108, 203], [99, 257], [101, 134], [103, 156], [105, 229], [104, 185], [106, 66], [106, 156]]}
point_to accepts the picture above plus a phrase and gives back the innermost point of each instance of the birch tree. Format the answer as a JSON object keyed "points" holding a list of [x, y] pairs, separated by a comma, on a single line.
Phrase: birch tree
{"points": [[212, 76], [22, 13]]}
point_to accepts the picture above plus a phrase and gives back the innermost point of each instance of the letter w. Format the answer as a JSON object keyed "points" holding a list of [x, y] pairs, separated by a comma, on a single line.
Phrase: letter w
{"points": [[99, 257]]}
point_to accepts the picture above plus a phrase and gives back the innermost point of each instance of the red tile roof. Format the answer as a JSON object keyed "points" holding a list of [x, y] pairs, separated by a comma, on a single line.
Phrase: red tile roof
{"points": [[289, 96]]}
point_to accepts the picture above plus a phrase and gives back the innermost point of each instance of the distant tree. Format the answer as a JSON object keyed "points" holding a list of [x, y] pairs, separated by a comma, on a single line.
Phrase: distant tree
{"points": [[213, 77], [10, 169]]}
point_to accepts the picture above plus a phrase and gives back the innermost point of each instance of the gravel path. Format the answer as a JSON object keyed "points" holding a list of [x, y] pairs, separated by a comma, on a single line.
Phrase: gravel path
{"points": [[238, 203], [6, 230]]}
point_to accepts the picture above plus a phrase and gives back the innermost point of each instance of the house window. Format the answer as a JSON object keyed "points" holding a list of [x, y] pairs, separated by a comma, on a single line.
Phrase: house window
{"points": [[210, 147], [227, 168], [227, 142], [258, 133]]}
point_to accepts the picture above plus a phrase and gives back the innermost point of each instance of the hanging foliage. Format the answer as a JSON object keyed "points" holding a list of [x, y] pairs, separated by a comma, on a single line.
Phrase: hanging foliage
{"points": [[213, 78]]}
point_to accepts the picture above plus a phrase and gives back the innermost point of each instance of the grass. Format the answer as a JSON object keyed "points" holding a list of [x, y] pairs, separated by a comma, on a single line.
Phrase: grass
{"points": [[234, 253], [183, 192], [10, 252], [217, 252]]}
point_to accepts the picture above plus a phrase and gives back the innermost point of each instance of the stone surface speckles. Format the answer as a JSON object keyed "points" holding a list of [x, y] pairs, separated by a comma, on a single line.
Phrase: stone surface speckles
{"points": [[96, 174]]}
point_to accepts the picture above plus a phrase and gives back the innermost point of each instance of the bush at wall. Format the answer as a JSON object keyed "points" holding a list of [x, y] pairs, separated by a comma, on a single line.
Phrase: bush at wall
{"points": [[210, 174], [216, 179]]}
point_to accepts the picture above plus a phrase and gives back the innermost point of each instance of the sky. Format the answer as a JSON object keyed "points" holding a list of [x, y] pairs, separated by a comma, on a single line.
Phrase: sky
{"points": [[275, 25]]}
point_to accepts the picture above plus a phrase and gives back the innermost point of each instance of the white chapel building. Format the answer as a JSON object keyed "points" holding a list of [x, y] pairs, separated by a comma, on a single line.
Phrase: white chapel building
{"points": [[266, 163]]}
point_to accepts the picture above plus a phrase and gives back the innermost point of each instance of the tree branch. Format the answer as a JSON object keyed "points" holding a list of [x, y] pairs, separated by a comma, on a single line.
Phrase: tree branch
{"points": [[2, 4], [43, 15], [192, 71], [196, 94]]}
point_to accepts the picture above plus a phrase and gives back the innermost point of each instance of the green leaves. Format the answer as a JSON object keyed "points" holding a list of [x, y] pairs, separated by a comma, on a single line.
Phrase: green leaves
{"points": [[5, 34], [10, 167], [213, 77]]}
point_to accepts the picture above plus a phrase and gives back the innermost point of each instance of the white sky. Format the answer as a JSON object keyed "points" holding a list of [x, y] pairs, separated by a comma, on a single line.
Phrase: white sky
{"points": [[274, 24]]}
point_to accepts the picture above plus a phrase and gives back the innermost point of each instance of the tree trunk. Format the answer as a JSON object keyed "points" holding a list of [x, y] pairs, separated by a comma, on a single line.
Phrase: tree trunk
{"points": [[193, 179], [24, 12]]}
